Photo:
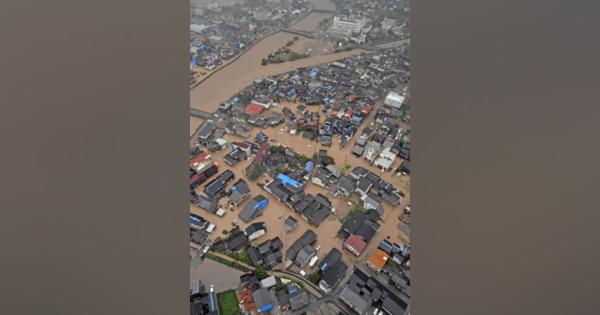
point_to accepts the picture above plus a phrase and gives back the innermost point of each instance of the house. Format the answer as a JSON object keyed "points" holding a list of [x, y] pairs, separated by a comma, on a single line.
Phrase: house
{"points": [[267, 252], [355, 244], [405, 166], [205, 132], [255, 257], [330, 259], [239, 192], [386, 159], [366, 230], [368, 202], [320, 178], [268, 282], [283, 299], [359, 172], [345, 186], [249, 279], [391, 198], [371, 151], [236, 241], [263, 300], [334, 170], [363, 186], [332, 276], [255, 230], [215, 187], [208, 204], [308, 238], [358, 150], [366, 295], [198, 236], [377, 260], [298, 297], [304, 256], [254, 208], [290, 224]]}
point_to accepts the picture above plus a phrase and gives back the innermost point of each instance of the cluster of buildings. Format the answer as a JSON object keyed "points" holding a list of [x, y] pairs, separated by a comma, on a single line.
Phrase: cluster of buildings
{"points": [[267, 253], [270, 294], [364, 21], [383, 287], [201, 301], [200, 229], [219, 33]]}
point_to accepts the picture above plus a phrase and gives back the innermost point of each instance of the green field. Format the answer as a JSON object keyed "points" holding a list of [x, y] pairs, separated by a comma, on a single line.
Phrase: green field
{"points": [[228, 303]]}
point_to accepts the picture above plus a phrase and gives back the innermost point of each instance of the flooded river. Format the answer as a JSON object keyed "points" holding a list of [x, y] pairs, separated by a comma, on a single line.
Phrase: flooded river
{"points": [[240, 73], [237, 75]]}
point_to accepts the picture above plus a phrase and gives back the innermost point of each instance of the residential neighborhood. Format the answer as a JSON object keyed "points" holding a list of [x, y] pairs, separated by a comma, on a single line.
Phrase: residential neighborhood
{"points": [[304, 179]]}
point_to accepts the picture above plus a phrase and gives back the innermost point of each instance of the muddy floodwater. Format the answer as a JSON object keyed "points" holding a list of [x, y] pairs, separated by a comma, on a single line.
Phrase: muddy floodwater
{"points": [[276, 212], [311, 22], [240, 73]]}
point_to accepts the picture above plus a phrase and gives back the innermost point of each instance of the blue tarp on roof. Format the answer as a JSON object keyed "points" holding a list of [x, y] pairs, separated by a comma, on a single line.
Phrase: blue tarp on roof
{"points": [[263, 203], [194, 61], [308, 166], [288, 180], [265, 307]]}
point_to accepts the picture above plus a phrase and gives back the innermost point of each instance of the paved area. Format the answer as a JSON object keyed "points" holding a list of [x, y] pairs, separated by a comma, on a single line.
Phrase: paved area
{"points": [[211, 272]]}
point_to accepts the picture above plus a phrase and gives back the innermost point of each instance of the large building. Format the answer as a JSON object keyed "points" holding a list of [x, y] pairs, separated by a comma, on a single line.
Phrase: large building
{"points": [[344, 27], [394, 100]]}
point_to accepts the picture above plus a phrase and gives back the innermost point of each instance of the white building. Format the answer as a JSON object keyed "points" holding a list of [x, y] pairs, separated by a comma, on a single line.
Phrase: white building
{"points": [[345, 27], [394, 100], [386, 159], [196, 28]]}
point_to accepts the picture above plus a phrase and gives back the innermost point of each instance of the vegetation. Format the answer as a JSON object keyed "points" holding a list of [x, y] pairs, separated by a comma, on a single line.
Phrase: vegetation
{"points": [[280, 286], [261, 272], [226, 262], [284, 54], [228, 303], [327, 160], [241, 255], [353, 210], [255, 170], [314, 277]]}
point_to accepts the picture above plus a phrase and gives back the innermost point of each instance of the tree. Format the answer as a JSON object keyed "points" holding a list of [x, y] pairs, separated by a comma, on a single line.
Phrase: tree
{"points": [[314, 277], [254, 171], [261, 272], [327, 160]]}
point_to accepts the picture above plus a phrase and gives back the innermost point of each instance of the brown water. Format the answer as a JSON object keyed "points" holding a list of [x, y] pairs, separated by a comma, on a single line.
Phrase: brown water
{"points": [[311, 21], [327, 5], [240, 73]]}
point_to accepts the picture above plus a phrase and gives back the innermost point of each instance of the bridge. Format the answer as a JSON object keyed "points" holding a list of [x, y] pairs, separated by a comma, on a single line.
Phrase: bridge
{"points": [[298, 32], [200, 113]]}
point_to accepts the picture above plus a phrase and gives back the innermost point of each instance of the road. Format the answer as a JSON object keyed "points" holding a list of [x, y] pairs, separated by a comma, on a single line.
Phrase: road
{"points": [[308, 286]]}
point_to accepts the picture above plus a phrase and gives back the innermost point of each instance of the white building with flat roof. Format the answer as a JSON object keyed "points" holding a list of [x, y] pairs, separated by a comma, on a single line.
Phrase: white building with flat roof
{"points": [[394, 100], [345, 27]]}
